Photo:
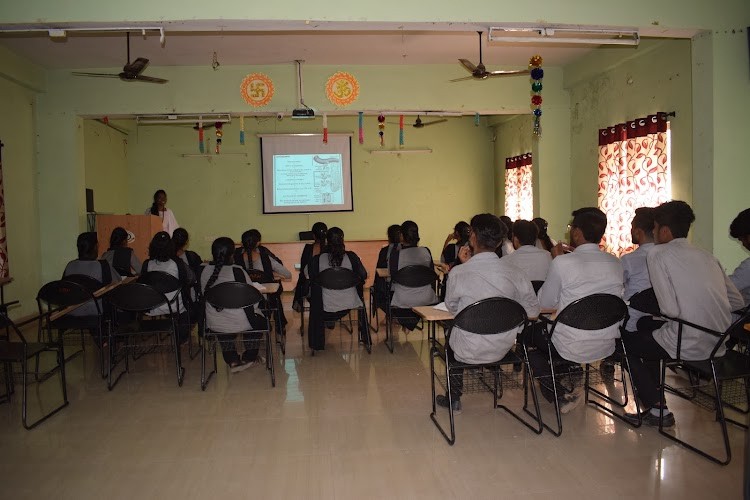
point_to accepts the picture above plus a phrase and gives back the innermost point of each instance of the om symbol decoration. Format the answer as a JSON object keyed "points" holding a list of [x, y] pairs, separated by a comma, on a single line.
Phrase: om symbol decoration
{"points": [[257, 89], [342, 89]]}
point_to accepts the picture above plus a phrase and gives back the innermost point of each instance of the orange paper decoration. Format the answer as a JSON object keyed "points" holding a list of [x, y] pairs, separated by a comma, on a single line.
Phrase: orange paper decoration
{"points": [[257, 89], [342, 89]]}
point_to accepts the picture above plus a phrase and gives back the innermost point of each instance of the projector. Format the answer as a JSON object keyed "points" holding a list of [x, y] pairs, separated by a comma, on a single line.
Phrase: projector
{"points": [[303, 113]]}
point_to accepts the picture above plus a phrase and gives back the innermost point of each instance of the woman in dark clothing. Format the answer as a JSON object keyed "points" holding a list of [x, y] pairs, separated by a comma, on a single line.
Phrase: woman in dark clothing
{"points": [[380, 285], [302, 289], [120, 255]]}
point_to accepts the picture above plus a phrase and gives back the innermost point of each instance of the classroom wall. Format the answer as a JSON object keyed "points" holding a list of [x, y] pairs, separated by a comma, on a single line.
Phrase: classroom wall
{"points": [[106, 167], [222, 196]]}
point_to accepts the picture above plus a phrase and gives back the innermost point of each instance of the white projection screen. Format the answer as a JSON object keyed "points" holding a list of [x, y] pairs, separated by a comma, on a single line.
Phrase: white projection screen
{"points": [[302, 174]]}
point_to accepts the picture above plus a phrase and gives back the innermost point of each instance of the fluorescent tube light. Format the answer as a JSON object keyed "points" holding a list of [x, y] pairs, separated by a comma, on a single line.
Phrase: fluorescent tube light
{"points": [[558, 35]]}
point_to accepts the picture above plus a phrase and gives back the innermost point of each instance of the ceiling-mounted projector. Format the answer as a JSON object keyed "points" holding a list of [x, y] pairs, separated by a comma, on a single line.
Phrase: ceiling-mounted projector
{"points": [[303, 113]]}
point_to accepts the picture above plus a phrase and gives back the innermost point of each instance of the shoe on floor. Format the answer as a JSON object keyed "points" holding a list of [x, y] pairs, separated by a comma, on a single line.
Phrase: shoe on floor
{"points": [[648, 418], [442, 400], [242, 366], [569, 402]]}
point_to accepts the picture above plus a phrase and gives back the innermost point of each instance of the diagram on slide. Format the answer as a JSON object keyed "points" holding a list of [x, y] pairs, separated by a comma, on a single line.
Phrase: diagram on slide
{"points": [[315, 179]]}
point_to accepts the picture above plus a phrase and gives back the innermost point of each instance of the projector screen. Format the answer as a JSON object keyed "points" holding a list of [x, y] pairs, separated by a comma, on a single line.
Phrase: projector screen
{"points": [[302, 174]]}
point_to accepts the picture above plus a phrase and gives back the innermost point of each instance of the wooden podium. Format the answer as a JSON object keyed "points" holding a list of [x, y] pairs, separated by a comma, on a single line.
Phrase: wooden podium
{"points": [[140, 228]]}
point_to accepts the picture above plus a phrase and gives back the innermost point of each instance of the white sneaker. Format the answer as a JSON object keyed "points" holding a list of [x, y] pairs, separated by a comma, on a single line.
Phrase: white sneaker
{"points": [[570, 402], [242, 366]]}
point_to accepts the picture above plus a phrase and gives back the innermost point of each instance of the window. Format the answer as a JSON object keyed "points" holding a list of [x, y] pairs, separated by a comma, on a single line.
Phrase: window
{"points": [[634, 171], [519, 194]]}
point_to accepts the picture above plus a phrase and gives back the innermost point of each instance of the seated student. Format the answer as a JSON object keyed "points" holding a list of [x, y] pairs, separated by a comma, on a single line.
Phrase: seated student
{"points": [[543, 240], [740, 229], [410, 254], [302, 289], [572, 276], [460, 236], [162, 257], [194, 264], [120, 255], [689, 284], [232, 321], [326, 306], [506, 247], [482, 276], [254, 256], [87, 265], [635, 269], [380, 285], [531, 260]]}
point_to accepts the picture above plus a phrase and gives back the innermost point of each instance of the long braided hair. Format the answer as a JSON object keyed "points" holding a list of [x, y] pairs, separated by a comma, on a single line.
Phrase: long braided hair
{"points": [[541, 224], [250, 240], [222, 250], [336, 247]]}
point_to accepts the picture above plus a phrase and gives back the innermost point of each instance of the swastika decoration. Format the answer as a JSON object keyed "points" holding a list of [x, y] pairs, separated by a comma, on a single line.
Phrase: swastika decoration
{"points": [[257, 89], [342, 89]]}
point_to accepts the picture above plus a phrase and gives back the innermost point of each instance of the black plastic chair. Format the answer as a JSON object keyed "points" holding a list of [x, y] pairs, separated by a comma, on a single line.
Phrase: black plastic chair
{"points": [[140, 298], [341, 278], [71, 291], [273, 306], [594, 312], [232, 295], [485, 317], [20, 352], [726, 381], [409, 277]]}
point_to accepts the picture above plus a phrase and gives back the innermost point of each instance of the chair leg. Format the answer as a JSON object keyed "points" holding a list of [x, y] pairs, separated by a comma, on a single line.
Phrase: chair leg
{"points": [[537, 416], [588, 391], [61, 369], [269, 357], [433, 416]]}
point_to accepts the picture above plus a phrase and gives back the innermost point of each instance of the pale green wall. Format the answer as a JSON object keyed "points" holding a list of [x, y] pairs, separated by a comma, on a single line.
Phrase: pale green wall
{"points": [[222, 196], [19, 178], [106, 167]]}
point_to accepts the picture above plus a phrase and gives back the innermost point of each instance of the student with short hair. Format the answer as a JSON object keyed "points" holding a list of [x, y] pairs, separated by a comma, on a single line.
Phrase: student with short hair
{"points": [[635, 269], [533, 261], [740, 229], [120, 255]]}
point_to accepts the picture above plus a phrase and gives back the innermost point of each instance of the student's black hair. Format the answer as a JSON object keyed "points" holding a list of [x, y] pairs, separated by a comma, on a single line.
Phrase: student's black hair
{"points": [[87, 246], [180, 237], [541, 225], [740, 226], [463, 230], [161, 247], [394, 233], [117, 238], [508, 225], [591, 221], [526, 232], [676, 215], [250, 240], [154, 207], [222, 251], [644, 219], [410, 232], [489, 230], [336, 247], [319, 230]]}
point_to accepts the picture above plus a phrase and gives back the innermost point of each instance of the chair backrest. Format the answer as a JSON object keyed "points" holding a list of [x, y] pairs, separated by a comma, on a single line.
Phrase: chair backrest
{"points": [[62, 293], [89, 283], [337, 278], [161, 281], [7, 324], [537, 284], [594, 312], [414, 276], [136, 297], [645, 301], [491, 316], [232, 295]]}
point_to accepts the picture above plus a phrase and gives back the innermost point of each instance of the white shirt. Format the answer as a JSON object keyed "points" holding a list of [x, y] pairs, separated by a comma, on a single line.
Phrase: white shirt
{"points": [[741, 279], [483, 276], [168, 221], [636, 279], [573, 276], [690, 284], [532, 261]]}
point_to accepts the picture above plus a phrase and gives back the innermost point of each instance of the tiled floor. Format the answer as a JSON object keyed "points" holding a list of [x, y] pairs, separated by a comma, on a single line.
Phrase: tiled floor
{"points": [[343, 424]]}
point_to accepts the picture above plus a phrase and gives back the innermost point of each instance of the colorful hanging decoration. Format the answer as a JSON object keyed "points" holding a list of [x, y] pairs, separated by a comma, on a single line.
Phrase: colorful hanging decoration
{"points": [[361, 127], [476, 119], [257, 89], [201, 147], [342, 89], [401, 130], [381, 127], [537, 73], [242, 130], [325, 128], [219, 134]]}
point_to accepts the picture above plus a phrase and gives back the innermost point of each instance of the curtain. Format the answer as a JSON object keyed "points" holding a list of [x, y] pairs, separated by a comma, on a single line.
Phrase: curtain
{"points": [[519, 194], [634, 171], [3, 239]]}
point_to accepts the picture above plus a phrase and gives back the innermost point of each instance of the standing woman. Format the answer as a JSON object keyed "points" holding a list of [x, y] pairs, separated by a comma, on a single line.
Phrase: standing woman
{"points": [[302, 289], [159, 208], [329, 305], [120, 255]]}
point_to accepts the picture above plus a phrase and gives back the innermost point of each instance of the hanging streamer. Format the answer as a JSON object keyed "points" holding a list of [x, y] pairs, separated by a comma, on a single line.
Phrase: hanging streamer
{"points": [[537, 73], [242, 130], [325, 128], [381, 127], [476, 119], [219, 134], [201, 148], [361, 127], [401, 130]]}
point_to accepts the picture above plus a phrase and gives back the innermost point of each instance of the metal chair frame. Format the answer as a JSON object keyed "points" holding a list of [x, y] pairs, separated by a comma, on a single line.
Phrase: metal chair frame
{"points": [[411, 277], [275, 310], [486, 317]]}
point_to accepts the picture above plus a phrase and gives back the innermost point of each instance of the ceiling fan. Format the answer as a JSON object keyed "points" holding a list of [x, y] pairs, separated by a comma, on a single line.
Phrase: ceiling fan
{"points": [[131, 72], [420, 124], [479, 72]]}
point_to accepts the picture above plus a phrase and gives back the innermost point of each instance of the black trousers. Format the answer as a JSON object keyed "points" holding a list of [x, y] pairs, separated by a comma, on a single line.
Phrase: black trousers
{"points": [[539, 361], [645, 356]]}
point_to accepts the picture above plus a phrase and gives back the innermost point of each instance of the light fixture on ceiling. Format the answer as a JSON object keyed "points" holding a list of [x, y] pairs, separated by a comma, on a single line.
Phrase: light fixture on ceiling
{"points": [[557, 35], [191, 118]]}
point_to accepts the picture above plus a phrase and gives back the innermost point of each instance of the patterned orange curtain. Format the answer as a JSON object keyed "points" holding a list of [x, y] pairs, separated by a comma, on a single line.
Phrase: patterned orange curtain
{"points": [[3, 239], [519, 195], [634, 171]]}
